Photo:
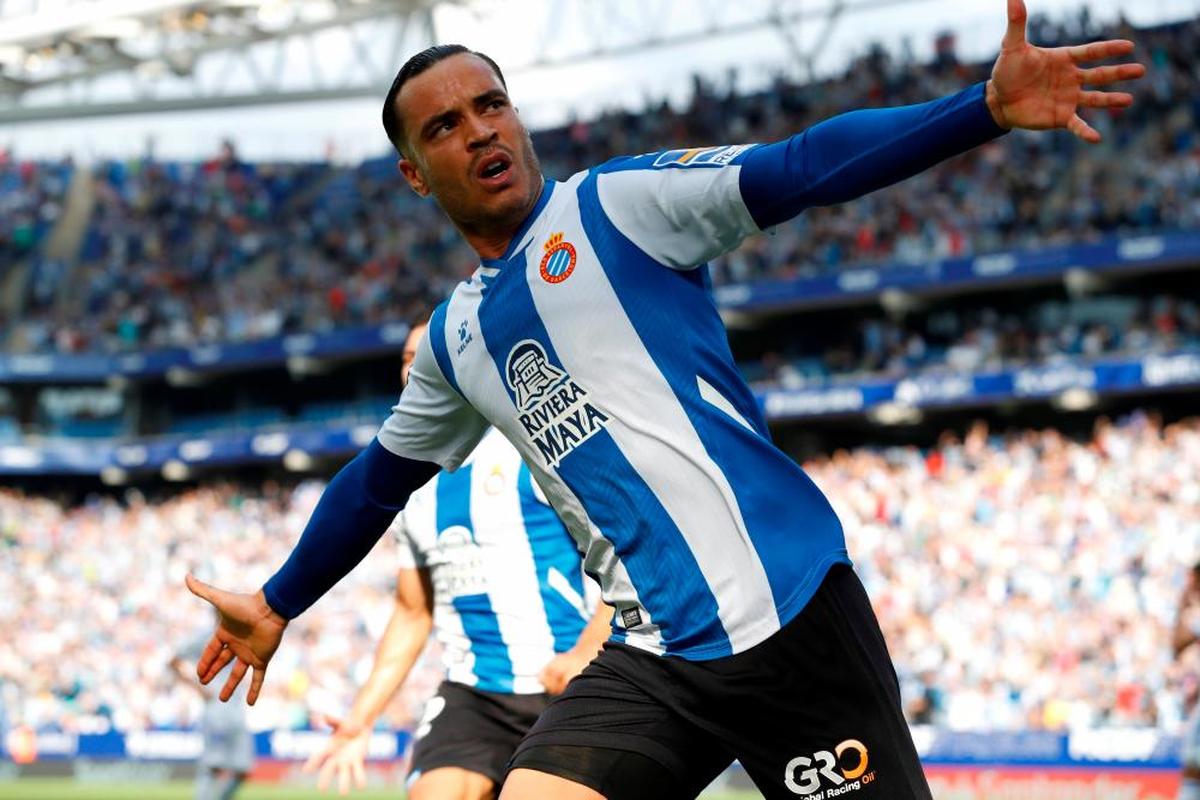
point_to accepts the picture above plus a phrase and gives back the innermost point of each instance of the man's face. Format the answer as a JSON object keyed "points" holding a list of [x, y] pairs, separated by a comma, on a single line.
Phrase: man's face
{"points": [[410, 352], [465, 144]]}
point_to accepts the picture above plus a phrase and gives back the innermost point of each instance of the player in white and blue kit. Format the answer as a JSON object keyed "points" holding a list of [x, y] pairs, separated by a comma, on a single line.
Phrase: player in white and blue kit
{"points": [[227, 757], [589, 339], [487, 566]]}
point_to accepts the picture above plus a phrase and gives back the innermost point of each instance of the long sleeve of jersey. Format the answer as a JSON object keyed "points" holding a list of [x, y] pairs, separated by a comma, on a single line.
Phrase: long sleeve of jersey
{"points": [[354, 512], [684, 207], [853, 154]]}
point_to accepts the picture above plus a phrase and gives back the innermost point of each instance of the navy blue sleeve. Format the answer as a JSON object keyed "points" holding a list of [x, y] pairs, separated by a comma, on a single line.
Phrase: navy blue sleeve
{"points": [[356, 509], [852, 154]]}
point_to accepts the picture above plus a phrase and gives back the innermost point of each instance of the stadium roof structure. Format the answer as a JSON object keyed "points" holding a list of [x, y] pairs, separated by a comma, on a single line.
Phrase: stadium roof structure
{"points": [[63, 59], [80, 58]]}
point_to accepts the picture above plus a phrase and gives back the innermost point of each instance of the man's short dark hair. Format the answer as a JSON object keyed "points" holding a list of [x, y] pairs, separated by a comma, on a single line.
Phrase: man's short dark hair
{"points": [[419, 314], [411, 69]]}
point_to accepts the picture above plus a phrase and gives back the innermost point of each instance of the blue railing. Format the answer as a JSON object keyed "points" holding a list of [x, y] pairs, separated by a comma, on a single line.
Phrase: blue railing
{"points": [[1111, 255], [1104, 377], [206, 358], [341, 438], [1102, 748], [849, 285]]}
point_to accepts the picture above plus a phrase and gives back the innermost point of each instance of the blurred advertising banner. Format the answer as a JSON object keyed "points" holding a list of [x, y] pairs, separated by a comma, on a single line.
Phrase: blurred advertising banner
{"points": [[1051, 783]]}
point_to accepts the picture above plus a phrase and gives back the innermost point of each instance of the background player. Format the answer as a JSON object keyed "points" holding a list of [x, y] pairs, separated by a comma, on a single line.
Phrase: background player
{"points": [[1187, 633], [228, 755], [488, 566], [618, 384]]}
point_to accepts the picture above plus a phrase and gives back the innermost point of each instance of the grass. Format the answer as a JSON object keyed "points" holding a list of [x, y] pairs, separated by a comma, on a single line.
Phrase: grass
{"points": [[69, 789]]}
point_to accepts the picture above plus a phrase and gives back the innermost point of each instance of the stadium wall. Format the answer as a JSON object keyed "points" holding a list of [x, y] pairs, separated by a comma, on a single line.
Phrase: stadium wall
{"points": [[1102, 764]]}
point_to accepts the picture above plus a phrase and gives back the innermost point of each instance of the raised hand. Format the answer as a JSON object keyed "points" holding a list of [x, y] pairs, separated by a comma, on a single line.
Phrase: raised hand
{"points": [[343, 754], [248, 630], [1041, 88]]}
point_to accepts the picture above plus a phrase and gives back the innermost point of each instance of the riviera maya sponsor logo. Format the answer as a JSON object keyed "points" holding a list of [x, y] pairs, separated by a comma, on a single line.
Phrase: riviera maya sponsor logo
{"points": [[827, 774], [553, 409]]}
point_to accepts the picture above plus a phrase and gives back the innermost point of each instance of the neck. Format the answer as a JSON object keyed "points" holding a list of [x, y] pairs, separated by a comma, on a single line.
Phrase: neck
{"points": [[493, 241]]}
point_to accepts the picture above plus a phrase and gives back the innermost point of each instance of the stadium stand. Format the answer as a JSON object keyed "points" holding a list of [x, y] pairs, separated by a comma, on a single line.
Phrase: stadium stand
{"points": [[1066, 536], [94, 598], [226, 251]]}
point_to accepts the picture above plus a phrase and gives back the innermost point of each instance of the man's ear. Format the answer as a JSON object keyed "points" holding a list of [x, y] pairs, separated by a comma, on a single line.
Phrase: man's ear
{"points": [[412, 174]]}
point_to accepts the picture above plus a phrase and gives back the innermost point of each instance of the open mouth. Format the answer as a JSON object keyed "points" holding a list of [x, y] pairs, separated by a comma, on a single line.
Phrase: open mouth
{"points": [[494, 168]]}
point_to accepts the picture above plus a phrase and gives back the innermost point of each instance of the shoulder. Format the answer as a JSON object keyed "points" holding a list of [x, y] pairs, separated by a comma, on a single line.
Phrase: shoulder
{"points": [[710, 157]]}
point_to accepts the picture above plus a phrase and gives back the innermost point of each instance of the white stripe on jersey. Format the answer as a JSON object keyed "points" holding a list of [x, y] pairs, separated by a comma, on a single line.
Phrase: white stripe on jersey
{"points": [[711, 395], [625, 388], [513, 584]]}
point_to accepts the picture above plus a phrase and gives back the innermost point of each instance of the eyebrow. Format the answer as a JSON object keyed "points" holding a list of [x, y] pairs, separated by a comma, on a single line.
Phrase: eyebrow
{"points": [[478, 100], [490, 95]]}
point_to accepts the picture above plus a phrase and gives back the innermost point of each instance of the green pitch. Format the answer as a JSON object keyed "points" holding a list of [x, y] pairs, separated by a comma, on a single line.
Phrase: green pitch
{"points": [[66, 789]]}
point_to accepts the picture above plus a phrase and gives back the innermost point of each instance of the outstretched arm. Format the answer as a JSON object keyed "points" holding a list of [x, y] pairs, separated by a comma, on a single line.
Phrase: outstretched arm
{"points": [[856, 153], [431, 427], [402, 642], [356, 508], [685, 207]]}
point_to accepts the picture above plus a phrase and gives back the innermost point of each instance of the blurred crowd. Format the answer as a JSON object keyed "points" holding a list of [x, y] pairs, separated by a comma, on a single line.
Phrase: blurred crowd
{"points": [[31, 200], [973, 337], [179, 254], [1083, 545], [1027, 580], [94, 609]]}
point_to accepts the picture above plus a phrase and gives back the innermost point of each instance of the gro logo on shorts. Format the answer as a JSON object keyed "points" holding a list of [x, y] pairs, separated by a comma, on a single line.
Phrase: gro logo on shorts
{"points": [[805, 775]]}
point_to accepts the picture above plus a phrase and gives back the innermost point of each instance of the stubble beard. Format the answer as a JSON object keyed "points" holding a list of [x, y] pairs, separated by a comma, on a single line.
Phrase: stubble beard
{"points": [[508, 218]]}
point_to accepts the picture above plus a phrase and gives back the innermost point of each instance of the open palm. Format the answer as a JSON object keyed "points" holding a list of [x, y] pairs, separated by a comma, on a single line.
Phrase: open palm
{"points": [[1041, 88], [248, 632], [343, 755]]}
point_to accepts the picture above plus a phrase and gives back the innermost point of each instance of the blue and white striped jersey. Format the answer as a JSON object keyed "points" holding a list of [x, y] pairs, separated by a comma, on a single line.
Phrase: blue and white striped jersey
{"points": [[594, 346], [508, 586]]}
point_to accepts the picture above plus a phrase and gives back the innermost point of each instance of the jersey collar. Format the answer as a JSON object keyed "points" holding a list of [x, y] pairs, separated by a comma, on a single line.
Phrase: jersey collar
{"points": [[520, 239]]}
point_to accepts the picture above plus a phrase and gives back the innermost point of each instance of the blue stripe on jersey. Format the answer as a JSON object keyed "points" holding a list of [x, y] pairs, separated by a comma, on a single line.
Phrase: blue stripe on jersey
{"points": [[796, 534], [454, 500], [554, 549], [660, 564], [437, 339], [493, 667]]}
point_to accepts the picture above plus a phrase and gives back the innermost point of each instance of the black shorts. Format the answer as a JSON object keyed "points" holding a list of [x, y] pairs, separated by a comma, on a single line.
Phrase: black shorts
{"points": [[814, 711], [471, 729]]}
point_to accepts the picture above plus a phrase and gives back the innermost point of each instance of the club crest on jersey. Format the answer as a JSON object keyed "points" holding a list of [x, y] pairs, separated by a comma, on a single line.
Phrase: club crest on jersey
{"points": [[559, 260], [553, 409]]}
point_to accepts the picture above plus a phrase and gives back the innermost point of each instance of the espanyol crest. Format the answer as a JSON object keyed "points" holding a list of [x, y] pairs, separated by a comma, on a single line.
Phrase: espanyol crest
{"points": [[559, 261]]}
